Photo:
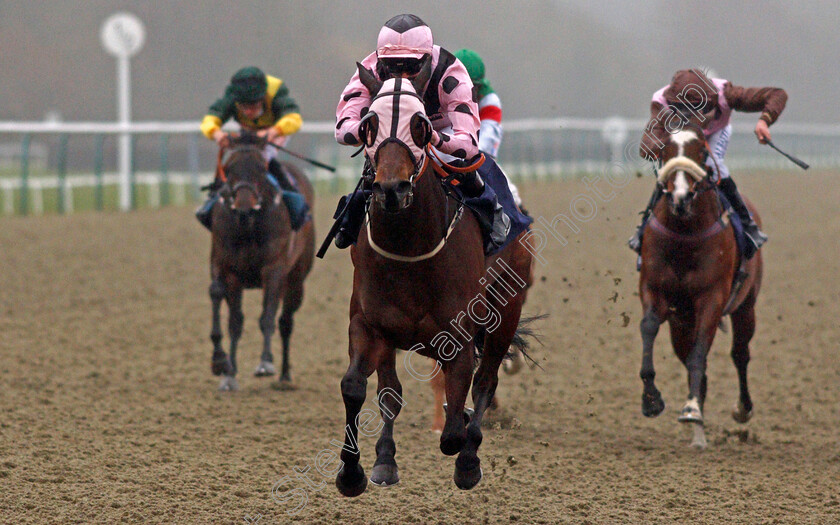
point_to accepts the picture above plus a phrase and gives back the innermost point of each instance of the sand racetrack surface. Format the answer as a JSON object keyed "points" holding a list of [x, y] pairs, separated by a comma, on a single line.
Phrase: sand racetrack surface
{"points": [[109, 412]]}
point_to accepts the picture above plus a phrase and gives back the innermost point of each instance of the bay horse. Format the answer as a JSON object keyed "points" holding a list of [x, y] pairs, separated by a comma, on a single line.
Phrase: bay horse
{"points": [[254, 246], [419, 266], [690, 261]]}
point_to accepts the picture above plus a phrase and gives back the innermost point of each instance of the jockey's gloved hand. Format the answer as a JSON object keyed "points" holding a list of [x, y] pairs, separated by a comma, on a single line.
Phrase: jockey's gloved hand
{"points": [[470, 182]]}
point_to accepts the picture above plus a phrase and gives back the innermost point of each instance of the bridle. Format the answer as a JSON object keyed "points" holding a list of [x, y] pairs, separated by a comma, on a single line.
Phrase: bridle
{"points": [[225, 155]]}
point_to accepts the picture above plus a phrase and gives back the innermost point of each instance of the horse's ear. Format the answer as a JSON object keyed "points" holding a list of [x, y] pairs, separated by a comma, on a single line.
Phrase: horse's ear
{"points": [[369, 128], [419, 82], [368, 79], [421, 129]]}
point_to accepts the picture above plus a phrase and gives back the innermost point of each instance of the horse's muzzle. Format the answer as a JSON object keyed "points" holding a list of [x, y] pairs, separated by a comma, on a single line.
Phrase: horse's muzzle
{"points": [[681, 207], [393, 196]]}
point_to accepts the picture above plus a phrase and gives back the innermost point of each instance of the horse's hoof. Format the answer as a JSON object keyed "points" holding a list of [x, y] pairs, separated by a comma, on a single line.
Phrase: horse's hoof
{"points": [[698, 442], [467, 479], [690, 414], [740, 414], [652, 404], [284, 385], [264, 369], [384, 475], [351, 484], [220, 366], [228, 384]]}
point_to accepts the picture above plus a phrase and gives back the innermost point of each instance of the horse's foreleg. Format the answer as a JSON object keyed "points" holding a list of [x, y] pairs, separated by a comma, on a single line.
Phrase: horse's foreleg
{"points": [[496, 344], [219, 362], [233, 296], [367, 347], [707, 311], [652, 403], [743, 328], [272, 281], [291, 303], [438, 384], [457, 375], [390, 401]]}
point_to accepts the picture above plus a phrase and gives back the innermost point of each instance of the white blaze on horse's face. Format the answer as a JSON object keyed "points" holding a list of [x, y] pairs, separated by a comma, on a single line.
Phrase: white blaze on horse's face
{"points": [[681, 183]]}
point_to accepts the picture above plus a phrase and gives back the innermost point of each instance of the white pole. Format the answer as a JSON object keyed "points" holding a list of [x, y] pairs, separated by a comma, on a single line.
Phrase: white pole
{"points": [[124, 110]]}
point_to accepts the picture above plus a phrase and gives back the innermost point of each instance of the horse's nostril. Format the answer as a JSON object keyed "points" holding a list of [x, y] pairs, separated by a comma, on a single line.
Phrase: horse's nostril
{"points": [[403, 187]]}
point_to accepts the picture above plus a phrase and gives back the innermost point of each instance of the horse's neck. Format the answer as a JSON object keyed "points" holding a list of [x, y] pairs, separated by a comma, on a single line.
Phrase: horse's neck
{"points": [[419, 227], [706, 211]]}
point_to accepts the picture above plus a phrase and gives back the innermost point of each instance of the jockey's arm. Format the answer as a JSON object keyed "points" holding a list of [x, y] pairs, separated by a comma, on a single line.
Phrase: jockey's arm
{"points": [[219, 112], [490, 115], [289, 120], [462, 111], [769, 101], [354, 99]]}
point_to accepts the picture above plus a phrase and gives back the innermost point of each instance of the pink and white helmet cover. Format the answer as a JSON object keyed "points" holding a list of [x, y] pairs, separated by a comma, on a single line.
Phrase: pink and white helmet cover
{"points": [[413, 43]]}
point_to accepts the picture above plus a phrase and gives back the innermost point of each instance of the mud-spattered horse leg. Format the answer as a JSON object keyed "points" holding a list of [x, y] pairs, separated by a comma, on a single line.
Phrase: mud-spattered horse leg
{"points": [[367, 348], [652, 403], [272, 282], [390, 401], [458, 376], [219, 363], [291, 303], [743, 328], [233, 296]]}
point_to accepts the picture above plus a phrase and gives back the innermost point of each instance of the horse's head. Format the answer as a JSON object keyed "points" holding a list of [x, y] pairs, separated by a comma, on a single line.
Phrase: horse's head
{"points": [[395, 132], [683, 173], [244, 167]]}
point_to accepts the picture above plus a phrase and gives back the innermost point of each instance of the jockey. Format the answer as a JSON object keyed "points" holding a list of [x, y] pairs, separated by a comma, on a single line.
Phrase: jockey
{"points": [[404, 48], [714, 99], [261, 103], [489, 110]]}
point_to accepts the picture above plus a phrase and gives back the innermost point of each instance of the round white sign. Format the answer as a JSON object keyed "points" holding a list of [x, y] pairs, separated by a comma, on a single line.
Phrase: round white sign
{"points": [[123, 35]]}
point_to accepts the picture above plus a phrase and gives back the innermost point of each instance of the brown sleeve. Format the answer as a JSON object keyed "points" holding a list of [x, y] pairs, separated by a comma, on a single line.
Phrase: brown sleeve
{"points": [[769, 100], [653, 135]]}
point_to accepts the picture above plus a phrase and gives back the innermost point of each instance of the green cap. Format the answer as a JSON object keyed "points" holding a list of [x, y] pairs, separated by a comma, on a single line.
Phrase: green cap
{"points": [[475, 68], [473, 63], [248, 85]]}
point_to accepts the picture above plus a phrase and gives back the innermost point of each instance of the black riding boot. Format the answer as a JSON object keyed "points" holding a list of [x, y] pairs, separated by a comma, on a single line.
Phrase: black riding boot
{"points": [[494, 222], [204, 213], [635, 242], [755, 237], [470, 184], [353, 219], [281, 176]]}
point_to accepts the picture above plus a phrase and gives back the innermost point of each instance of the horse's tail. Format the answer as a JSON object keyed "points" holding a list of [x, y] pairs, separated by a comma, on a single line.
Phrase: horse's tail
{"points": [[521, 343]]}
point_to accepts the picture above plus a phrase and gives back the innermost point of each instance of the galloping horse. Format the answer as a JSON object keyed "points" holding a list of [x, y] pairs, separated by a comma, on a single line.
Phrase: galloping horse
{"points": [[690, 277], [419, 270], [254, 247]]}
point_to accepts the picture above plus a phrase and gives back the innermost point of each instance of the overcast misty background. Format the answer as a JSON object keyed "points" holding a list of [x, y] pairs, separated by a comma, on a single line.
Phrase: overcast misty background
{"points": [[545, 58]]}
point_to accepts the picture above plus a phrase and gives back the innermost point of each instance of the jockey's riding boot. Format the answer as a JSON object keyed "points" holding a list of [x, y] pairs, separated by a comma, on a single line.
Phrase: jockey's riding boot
{"points": [[292, 198], [281, 176], [204, 213], [753, 234], [351, 222], [494, 222], [635, 242], [470, 183]]}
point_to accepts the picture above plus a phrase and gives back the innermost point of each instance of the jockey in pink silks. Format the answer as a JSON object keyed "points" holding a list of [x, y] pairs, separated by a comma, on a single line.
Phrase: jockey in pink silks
{"points": [[405, 48]]}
